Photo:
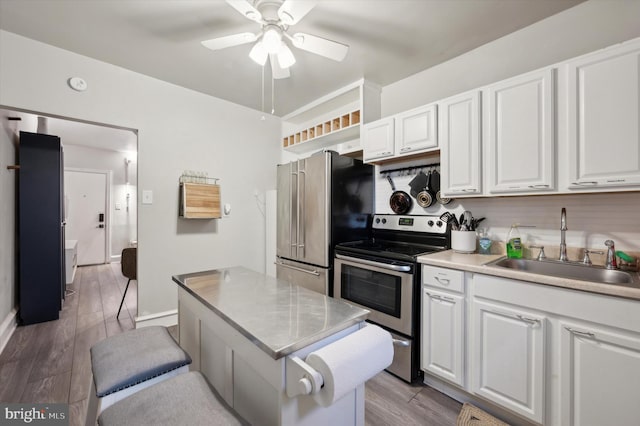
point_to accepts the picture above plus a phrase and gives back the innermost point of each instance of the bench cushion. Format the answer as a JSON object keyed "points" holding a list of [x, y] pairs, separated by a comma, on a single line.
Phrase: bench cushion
{"points": [[133, 357], [185, 399]]}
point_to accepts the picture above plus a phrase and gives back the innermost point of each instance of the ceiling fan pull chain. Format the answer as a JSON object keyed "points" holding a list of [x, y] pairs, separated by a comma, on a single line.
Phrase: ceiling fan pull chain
{"points": [[273, 108], [262, 107]]}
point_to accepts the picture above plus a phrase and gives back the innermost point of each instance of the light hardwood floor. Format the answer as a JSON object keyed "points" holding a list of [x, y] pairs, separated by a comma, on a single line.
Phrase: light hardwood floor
{"points": [[49, 362]]}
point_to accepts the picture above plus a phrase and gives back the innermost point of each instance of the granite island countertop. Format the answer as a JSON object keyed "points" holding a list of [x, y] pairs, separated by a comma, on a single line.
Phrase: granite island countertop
{"points": [[480, 263], [279, 317]]}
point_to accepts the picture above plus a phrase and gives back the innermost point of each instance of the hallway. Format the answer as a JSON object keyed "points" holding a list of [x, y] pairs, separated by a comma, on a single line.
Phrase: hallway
{"points": [[49, 362]]}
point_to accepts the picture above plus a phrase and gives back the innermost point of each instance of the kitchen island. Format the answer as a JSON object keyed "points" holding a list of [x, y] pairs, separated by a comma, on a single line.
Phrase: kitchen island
{"points": [[243, 328]]}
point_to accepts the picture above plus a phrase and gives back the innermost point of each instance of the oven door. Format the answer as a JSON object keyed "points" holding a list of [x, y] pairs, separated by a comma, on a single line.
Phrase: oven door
{"points": [[385, 290]]}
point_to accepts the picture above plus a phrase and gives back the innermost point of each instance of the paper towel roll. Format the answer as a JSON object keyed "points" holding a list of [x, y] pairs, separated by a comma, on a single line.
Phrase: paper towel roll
{"points": [[350, 361]]}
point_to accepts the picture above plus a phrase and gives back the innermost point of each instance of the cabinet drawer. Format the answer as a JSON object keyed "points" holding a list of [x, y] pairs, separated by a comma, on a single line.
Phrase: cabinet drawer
{"points": [[443, 278]]}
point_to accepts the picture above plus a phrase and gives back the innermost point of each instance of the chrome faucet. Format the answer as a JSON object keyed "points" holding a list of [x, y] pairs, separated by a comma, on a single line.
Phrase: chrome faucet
{"points": [[610, 262], [563, 239]]}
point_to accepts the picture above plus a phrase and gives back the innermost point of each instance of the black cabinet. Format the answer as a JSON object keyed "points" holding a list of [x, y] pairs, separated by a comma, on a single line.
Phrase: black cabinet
{"points": [[41, 273]]}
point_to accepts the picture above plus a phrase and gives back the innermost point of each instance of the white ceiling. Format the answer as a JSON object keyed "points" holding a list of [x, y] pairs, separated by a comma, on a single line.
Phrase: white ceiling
{"points": [[389, 39]]}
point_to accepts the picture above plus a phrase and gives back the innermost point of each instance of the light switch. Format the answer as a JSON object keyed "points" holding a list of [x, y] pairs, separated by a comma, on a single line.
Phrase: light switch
{"points": [[118, 206], [147, 196]]}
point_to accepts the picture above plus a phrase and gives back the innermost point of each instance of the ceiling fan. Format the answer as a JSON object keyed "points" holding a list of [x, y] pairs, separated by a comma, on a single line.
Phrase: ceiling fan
{"points": [[276, 16]]}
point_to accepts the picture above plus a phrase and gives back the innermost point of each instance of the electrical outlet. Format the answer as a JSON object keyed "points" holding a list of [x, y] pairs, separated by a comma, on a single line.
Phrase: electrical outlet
{"points": [[147, 196]]}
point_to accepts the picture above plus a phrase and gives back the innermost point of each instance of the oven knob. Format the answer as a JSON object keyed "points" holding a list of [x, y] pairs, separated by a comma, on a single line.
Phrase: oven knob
{"points": [[378, 220], [384, 220], [439, 223], [430, 223]]}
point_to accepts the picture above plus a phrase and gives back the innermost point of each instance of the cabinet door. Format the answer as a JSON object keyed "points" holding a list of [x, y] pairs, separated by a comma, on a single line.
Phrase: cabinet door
{"points": [[443, 335], [416, 130], [603, 111], [507, 359], [378, 139], [521, 145], [459, 131], [600, 372]]}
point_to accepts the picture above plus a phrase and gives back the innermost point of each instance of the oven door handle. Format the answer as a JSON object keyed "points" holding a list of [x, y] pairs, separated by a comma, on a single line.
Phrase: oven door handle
{"points": [[401, 343], [397, 268]]}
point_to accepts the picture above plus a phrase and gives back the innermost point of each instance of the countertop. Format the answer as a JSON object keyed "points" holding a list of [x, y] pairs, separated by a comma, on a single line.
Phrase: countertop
{"points": [[277, 316], [478, 263]]}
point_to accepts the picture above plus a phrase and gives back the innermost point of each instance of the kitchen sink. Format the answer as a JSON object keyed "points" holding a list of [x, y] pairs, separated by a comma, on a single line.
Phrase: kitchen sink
{"points": [[574, 271]]}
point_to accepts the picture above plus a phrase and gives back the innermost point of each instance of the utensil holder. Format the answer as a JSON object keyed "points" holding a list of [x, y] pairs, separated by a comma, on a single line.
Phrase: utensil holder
{"points": [[463, 241]]}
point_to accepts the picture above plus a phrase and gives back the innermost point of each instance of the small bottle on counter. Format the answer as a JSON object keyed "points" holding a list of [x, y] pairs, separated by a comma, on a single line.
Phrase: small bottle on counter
{"points": [[484, 241], [514, 243]]}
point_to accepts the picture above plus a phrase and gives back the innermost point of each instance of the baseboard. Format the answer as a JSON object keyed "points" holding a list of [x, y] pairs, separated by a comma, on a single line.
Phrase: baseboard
{"points": [[166, 318], [7, 327]]}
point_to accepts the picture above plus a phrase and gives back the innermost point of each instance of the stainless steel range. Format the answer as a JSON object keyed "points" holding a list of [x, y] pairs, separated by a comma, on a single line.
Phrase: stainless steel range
{"points": [[382, 274]]}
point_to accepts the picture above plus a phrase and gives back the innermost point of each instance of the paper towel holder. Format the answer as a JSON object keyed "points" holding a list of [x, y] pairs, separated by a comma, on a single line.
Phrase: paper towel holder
{"points": [[302, 379]]}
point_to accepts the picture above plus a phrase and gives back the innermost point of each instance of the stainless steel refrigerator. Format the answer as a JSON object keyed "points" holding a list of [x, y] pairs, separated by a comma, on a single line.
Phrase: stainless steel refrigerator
{"points": [[322, 200]]}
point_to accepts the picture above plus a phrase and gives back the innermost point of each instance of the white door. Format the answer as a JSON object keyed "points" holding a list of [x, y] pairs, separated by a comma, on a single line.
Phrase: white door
{"points": [[459, 136], [600, 372], [521, 133], [378, 139], [416, 130], [604, 104], [507, 357], [86, 209], [443, 335]]}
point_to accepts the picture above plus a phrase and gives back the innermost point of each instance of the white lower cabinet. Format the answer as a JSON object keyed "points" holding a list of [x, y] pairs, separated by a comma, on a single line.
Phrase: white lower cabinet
{"points": [[600, 375], [442, 351], [508, 357]]}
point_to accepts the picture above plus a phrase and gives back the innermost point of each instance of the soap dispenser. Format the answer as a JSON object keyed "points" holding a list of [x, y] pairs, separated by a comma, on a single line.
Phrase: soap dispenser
{"points": [[514, 243]]}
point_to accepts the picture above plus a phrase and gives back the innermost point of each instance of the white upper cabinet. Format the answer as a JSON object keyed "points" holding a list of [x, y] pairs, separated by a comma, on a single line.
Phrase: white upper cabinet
{"points": [[603, 109], [406, 133], [416, 130], [378, 139], [520, 148], [459, 135]]}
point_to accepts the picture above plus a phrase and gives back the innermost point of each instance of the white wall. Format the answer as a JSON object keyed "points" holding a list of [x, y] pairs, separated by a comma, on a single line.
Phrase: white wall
{"points": [[587, 27], [178, 129], [8, 141], [122, 221]]}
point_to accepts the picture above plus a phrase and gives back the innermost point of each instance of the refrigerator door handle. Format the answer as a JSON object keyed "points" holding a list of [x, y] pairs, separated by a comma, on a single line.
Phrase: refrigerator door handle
{"points": [[292, 234], [302, 232], [313, 272]]}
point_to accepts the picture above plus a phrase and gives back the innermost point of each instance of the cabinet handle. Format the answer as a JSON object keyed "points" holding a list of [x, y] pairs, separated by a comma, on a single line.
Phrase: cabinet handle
{"points": [[580, 333], [585, 183], [469, 190], [515, 187], [443, 281], [616, 180], [441, 298], [528, 320], [406, 148], [538, 186]]}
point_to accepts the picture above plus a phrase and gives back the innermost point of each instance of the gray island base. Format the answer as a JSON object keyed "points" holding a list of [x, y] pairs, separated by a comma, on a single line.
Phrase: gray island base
{"points": [[243, 329]]}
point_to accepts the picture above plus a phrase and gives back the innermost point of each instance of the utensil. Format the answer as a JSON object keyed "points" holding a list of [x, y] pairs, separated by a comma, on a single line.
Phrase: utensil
{"points": [[425, 197], [435, 187], [400, 201], [417, 184]]}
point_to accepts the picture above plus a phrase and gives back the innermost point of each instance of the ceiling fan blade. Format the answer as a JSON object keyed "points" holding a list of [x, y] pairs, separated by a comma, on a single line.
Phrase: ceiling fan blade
{"points": [[246, 9], [229, 41], [320, 46], [276, 70], [292, 11]]}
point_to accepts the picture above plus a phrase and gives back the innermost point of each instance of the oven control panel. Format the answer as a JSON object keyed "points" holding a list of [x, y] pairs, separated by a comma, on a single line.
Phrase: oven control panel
{"points": [[394, 222]]}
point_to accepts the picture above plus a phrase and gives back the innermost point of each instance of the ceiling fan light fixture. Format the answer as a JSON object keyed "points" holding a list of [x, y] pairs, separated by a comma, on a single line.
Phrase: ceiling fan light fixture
{"points": [[285, 57], [258, 53], [272, 39]]}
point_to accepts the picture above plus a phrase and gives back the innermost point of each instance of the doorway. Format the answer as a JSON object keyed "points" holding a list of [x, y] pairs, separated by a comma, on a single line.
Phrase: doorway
{"points": [[86, 200]]}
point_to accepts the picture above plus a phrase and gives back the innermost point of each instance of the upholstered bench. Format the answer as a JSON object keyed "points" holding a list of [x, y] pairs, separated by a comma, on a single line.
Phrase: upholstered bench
{"points": [[186, 399], [131, 361]]}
